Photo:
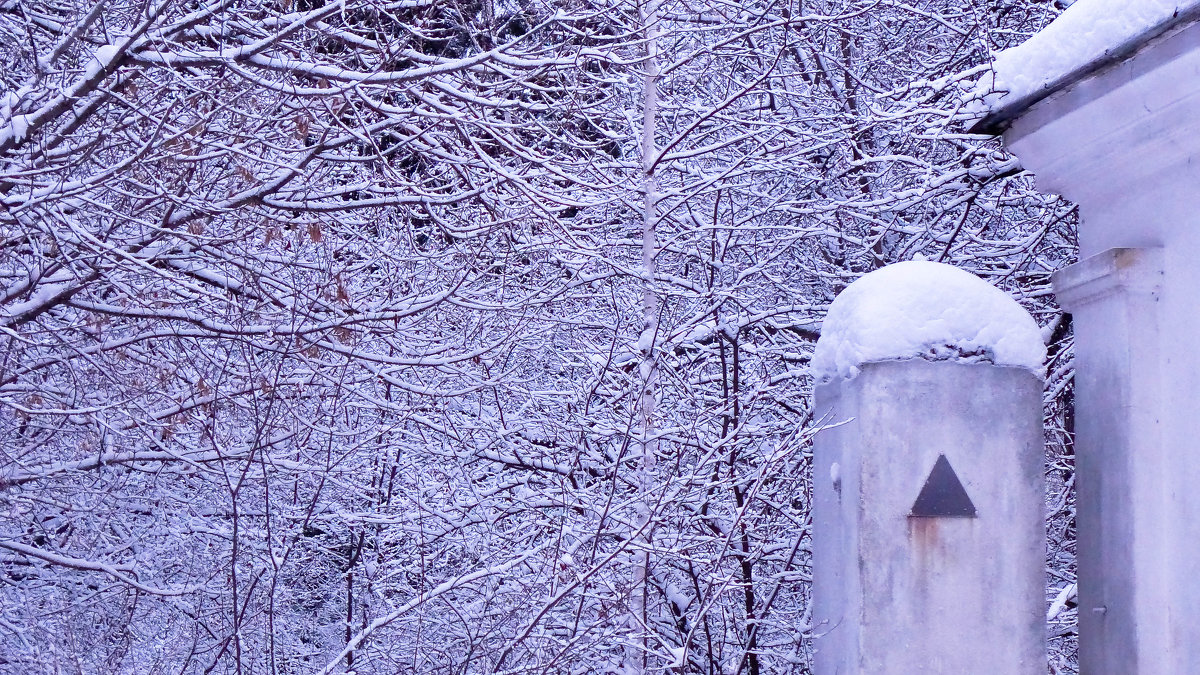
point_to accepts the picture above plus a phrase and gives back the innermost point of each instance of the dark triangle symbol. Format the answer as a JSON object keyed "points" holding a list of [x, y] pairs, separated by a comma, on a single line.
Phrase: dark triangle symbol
{"points": [[943, 494]]}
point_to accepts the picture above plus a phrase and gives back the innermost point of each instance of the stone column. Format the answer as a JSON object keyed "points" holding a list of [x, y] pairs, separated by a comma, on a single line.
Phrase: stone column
{"points": [[929, 548], [1124, 496]]}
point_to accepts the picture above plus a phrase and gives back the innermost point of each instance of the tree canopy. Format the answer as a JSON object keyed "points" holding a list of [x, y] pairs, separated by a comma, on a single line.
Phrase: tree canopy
{"points": [[464, 335]]}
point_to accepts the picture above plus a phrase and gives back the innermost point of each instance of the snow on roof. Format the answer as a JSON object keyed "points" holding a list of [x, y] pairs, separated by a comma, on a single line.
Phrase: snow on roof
{"points": [[921, 309], [1086, 32]]}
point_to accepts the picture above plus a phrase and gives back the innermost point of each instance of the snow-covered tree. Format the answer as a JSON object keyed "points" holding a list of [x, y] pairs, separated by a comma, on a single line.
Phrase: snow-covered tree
{"points": [[463, 335]]}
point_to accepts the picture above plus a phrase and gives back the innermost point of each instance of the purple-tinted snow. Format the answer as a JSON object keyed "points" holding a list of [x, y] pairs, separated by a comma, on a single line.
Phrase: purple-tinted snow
{"points": [[921, 309], [1084, 32]]}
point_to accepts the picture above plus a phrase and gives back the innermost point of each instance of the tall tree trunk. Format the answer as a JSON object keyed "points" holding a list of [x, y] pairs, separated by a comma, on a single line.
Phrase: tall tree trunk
{"points": [[637, 651]]}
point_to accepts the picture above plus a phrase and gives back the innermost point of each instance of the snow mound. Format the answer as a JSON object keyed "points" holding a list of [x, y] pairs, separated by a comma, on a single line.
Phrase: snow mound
{"points": [[1083, 33], [929, 310]]}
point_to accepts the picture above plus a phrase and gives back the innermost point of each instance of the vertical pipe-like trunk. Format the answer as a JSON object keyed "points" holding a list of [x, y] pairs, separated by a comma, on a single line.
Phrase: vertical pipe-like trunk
{"points": [[349, 617], [637, 651]]}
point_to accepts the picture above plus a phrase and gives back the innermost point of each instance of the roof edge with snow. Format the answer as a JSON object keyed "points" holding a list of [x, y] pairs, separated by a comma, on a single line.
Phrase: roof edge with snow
{"points": [[1000, 118]]}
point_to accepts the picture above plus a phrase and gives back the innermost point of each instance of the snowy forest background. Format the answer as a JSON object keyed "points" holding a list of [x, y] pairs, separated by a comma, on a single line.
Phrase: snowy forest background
{"points": [[465, 335]]}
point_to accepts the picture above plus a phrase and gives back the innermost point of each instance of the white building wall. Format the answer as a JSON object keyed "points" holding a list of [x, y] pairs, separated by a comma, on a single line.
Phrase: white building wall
{"points": [[1125, 145]]}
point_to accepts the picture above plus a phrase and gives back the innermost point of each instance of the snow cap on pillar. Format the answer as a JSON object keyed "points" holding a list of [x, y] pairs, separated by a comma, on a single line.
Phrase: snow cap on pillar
{"points": [[927, 310]]}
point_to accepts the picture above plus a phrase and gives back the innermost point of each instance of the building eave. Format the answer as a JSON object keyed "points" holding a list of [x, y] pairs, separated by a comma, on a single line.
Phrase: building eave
{"points": [[998, 120]]}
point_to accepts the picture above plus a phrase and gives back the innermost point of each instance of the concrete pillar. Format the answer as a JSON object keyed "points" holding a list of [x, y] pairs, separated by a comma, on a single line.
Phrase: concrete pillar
{"points": [[1128, 572], [911, 575]]}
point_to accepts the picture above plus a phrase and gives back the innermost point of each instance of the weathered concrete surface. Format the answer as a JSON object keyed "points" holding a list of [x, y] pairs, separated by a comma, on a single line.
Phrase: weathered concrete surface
{"points": [[1127, 501], [1125, 145], [898, 594]]}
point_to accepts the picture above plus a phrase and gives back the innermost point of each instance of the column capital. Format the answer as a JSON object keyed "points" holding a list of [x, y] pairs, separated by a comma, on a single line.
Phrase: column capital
{"points": [[1116, 270]]}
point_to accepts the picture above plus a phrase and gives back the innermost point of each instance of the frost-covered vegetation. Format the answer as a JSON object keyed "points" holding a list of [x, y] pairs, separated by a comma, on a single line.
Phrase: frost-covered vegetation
{"points": [[464, 335]]}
